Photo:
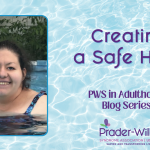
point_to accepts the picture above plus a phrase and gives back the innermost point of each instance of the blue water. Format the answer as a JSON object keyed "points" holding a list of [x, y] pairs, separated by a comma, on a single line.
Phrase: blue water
{"points": [[20, 124], [39, 81]]}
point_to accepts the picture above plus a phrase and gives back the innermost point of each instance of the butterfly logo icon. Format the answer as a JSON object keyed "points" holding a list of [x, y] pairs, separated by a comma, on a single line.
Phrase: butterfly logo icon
{"points": [[106, 124]]}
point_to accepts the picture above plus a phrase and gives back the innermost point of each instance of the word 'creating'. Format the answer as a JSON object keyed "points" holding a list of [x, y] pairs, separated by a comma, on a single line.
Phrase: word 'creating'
{"points": [[112, 58]]}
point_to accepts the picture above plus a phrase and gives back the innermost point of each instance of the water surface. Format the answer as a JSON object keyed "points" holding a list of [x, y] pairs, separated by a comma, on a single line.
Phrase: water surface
{"points": [[20, 124]]}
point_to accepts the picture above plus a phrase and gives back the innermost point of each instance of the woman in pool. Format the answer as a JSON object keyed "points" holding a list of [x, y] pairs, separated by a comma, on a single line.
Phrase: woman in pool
{"points": [[15, 95]]}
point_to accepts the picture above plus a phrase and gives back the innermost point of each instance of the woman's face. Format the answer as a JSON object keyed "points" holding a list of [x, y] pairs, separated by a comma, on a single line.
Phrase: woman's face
{"points": [[11, 75]]}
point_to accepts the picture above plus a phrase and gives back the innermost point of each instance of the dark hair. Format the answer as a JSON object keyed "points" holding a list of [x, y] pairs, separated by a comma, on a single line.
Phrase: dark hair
{"points": [[23, 60]]}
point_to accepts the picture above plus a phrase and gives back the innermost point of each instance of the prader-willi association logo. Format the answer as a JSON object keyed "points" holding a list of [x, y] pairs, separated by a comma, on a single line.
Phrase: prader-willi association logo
{"points": [[122, 132], [106, 124]]}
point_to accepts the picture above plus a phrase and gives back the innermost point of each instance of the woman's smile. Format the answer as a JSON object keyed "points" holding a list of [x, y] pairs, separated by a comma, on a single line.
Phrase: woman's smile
{"points": [[15, 95], [11, 75], [4, 83]]}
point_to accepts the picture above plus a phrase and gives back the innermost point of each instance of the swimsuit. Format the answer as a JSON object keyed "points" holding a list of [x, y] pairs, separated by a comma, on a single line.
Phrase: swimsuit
{"points": [[24, 124], [31, 106]]}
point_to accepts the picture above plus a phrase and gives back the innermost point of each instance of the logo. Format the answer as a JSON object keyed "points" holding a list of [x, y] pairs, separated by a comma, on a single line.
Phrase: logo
{"points": [[122, 132], [106, 124]]}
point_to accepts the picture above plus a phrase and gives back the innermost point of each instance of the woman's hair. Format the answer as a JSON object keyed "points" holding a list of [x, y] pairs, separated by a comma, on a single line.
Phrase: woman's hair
{"points": [[23, 60]]}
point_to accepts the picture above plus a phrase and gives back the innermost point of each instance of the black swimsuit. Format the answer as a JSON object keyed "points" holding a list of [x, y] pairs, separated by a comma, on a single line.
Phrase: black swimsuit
{"points": [[31, 106]]}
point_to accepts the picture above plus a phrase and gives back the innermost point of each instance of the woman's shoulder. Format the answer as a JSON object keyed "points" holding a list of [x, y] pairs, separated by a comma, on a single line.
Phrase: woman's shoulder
{"points": [[39, 100]]}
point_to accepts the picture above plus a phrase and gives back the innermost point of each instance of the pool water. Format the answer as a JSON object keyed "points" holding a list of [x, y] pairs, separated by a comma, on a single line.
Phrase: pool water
{"points": [[20, 124], [39, 81]]}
